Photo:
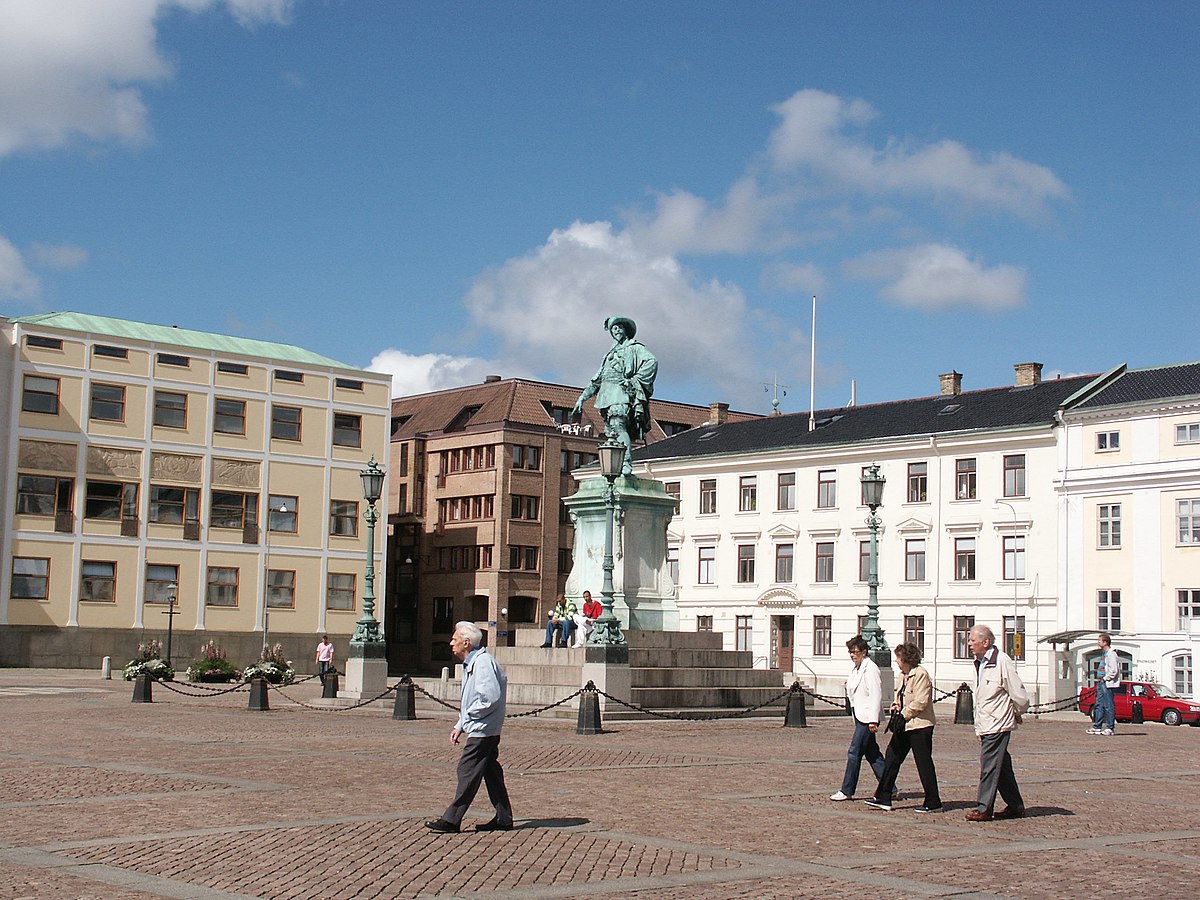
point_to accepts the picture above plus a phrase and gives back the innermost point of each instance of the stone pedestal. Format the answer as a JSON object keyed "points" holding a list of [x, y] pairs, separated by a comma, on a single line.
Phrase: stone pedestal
{"points": [[366, 671], [607, 667], [643, 593]]}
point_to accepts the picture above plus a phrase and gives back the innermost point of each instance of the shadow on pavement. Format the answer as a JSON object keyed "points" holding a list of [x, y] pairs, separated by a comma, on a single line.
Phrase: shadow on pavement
{"points": [[573, 822]]}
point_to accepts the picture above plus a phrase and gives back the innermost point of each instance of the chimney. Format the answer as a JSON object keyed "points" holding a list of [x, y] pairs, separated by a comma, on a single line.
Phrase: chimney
{"points": [[491, 379], [1028, 374], [951, 383], [718, 413]]}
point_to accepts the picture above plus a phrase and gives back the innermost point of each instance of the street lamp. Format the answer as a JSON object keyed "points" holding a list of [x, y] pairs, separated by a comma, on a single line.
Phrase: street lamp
{"points": [[607, 629], [169, 612], [1014, 651], [872, 492], [366, 630]]}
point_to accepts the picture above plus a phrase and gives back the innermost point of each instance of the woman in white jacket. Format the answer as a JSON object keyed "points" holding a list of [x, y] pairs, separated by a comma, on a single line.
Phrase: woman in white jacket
{"points": [[864, 690]]}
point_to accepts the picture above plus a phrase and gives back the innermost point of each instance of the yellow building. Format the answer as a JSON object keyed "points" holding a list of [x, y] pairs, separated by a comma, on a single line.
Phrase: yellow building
{"points": [[144, 462]]}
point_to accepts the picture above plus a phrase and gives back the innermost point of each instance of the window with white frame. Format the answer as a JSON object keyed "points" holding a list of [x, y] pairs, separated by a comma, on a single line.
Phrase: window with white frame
{"points": [[1108, 516], [748, 493], [745, 569], [914, 559], [784, 559], [707, 569], [744, 633], [673, 564], [1187, 434], [1188, 606], [1187, 520], [1014, 475], [1108, 609], [824, 568], [918, 482], [1014, 557], [787, 491], [827, 489], [1108, 440], [964, 559], [964, 479], [1181, 672], [708, 496]]}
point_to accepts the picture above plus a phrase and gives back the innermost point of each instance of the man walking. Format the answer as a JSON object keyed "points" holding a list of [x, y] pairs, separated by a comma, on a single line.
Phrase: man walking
{"points": [[1000, 701], [324, 657], [864, 690], [1108, 677], [481, 716]]}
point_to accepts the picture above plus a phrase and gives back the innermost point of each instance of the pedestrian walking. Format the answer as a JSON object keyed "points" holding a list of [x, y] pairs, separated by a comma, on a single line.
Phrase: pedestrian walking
{"points": [[1108, 679], [1000, 701], [324, 657], [863, 690]]}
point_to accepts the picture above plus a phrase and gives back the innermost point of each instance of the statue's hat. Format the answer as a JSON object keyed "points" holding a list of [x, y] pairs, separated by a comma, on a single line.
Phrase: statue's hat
{"points": [[628, 324]]}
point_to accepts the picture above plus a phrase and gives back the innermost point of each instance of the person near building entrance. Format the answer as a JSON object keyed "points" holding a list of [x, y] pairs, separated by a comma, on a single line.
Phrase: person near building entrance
{"points": [[1108, 678], [914, 701], [586, 618], [324, 657], [1000, 701], [864, 691], [481, 716]]}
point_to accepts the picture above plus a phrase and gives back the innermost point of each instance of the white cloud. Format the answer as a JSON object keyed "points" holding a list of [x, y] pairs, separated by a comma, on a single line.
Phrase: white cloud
{"points": [[821, 133], [72, 69], [795, 278], [16, 281], [60, 256], [936, 276], [422, 373]]}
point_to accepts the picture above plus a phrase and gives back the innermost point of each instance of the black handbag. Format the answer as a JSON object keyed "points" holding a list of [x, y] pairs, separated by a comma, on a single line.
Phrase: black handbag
{"points": [[896, 722]]}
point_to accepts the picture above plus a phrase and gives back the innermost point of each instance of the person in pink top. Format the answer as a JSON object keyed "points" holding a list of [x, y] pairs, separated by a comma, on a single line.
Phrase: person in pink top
{"points": [[324, 657]]}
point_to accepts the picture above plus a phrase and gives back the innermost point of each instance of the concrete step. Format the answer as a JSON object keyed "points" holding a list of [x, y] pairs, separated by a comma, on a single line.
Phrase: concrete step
{"points": [[653, 677], [708, 697], [675, 658]]}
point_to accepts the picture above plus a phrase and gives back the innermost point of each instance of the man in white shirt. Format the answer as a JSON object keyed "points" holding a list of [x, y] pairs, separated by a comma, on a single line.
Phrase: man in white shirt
{"points": [[1108, 678], [865, 693]]}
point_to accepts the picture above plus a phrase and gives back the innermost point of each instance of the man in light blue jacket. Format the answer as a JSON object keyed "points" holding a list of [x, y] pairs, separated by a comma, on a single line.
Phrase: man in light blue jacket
{"points": [[481, 716]]}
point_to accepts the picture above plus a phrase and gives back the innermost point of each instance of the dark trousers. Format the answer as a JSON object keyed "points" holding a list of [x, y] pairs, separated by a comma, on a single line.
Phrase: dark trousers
{"points": [[324, 669], [996, 773], [862, 745], [920, 741], [480, 761]]}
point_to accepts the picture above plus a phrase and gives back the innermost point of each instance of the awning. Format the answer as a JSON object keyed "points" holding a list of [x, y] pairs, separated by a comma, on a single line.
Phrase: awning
{"points": [[1066, 637]]}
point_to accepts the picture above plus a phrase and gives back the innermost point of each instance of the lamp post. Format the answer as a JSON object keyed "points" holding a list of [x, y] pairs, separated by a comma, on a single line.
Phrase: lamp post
{"points": [[607, 629], [872, 489], [169, 612], [1013, 651], [366, 630]]}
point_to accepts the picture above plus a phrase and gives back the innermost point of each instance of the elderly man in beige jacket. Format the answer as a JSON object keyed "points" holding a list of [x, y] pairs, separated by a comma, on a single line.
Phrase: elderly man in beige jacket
{"points": [[1000, 701]]}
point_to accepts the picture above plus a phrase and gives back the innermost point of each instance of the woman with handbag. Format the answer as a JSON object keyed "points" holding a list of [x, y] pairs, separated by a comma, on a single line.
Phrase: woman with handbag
{"points": [[911, 723]]}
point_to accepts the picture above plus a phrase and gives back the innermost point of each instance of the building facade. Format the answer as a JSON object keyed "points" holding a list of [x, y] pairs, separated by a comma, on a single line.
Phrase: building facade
{"points": [[146, 464]]}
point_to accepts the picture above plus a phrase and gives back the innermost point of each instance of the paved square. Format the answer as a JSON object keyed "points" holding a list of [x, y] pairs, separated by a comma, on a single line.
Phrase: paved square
{"points": [[199, 797]]}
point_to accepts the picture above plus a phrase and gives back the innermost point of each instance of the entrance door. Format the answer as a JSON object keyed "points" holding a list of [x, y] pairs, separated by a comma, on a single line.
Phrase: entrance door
{"points": [[783, 630]]}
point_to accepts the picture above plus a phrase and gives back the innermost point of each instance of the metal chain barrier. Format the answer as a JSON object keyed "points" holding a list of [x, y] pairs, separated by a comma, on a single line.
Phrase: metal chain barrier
{"points": [[207, 691], [279, 690], [701, 717], [520, 715], [832, 701]]}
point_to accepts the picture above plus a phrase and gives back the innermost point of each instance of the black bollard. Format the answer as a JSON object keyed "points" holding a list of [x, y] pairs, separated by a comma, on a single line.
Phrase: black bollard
{"points": [[329, 687], [406, 701], [589, 713], [795, 716], [258, 695], [1137, 716], [142, 692], [964, 706]]}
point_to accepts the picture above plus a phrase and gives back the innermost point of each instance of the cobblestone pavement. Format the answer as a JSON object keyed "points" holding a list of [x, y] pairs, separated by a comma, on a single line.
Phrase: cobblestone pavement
{"points": [[200, 797]]}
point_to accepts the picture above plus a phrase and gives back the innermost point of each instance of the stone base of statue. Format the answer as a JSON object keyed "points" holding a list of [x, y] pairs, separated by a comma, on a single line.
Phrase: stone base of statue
{"points": [[643, 593], [366, 671], [607, 667]]}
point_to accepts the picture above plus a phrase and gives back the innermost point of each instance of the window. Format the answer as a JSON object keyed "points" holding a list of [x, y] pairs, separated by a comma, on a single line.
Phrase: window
{"points": [[673, 564], [343, 518], [1014, 475], [864, 560], [707, 573], [348, 384], [40, 395], [281, 513], [347, 430], [1109, 518], [98, 581], [704, 623], [1014, 557], [1189, 607], [36, 340], [964, 559], [824, 573], [285, 423], [44, 495], [748, 493], [914, 631], [523, 558], [170, 359], [708, 496], [672, 489], [786, 498], [1014, 636], [1108, 440], [526, 457], [403, 466], [784, 559], [170, 409], [822, 635], [743, 633], [294, 377], [914, 560], [339, 591], [1181, 670], [443, 615], [964, 479], [233, 510], [229, 416], [565, 559], [745, 564], [110, 500], [232, 368], [162, 583], [525, 507], [962, 632], [826, 489], [30, 578], [1187, 434], [174, 505], [222, 586], [1187, 518], [1108, 610], [281, 589], [112, 352], [108, 402], [918, 482]]}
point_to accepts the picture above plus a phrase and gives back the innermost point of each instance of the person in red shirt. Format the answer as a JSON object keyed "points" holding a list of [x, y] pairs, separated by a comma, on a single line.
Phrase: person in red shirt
{"points": [[592, 610]]}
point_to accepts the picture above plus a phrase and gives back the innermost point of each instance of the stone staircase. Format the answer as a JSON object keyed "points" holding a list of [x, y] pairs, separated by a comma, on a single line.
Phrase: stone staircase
{"points": [[669, 671]]}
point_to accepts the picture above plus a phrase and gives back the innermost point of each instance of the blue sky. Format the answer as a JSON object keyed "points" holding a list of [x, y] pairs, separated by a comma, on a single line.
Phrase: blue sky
{"points": [[446, 190]]}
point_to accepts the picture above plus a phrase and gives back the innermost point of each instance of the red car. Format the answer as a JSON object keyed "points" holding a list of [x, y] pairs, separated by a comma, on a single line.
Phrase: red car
{"points": [[1159, 703]]}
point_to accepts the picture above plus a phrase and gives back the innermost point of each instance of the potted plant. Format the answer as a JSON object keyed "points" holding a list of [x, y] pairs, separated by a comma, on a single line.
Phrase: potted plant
{"points": [[272, 665], [212, 665], [149, 661]]}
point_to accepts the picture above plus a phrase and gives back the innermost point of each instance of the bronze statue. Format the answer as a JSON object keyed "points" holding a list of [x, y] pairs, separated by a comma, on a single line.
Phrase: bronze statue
{"points": [[623, 386]]}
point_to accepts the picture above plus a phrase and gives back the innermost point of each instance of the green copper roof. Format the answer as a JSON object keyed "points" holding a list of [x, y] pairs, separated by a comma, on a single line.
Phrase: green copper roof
{"points": [[178, 337]]}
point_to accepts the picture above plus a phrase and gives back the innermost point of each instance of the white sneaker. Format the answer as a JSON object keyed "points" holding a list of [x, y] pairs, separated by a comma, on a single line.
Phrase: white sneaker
{"points": [[1093, 730], [839, 796], [1107, 732]]}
